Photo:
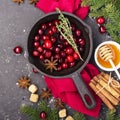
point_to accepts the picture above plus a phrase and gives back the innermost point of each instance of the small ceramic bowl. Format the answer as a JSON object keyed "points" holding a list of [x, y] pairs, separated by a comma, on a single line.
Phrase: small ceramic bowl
{"points": [[115, 44]]}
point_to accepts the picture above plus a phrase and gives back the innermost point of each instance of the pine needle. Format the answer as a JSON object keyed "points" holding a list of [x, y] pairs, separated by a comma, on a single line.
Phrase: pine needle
{"points": [[79, 116]]}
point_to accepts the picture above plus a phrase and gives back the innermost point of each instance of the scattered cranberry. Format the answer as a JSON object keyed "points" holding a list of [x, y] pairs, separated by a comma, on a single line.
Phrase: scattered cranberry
{"points": [[81, 41], [43, 115], [53, 39], [63, 54], [50, 24], [64, 65], [54, 29], [100, 20], [44, 37], [40, 31], [37, 38], [102, 29], [56, 22], [59, 68], [75, 55], [41, 57], [18, 50], [43, 26], [50, 32], [57, 56], [57, 49], [48, 54], [72, 64]]}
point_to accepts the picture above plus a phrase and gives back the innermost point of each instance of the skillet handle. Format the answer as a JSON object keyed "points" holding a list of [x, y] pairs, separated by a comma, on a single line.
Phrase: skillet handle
{"points": [[83, 91]]}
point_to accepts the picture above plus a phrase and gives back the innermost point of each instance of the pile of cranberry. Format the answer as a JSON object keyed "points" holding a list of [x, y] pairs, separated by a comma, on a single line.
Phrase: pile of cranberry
{"points": [[49, 43]]}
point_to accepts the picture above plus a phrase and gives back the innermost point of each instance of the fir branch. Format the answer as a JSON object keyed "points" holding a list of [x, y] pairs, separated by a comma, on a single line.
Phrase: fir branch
{"points": [[31, 112], [110, 115], [64, 28], [79, 116]]}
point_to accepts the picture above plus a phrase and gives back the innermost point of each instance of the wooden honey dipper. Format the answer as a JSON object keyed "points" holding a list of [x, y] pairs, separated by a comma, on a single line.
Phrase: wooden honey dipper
{"points": [[106, 53]]}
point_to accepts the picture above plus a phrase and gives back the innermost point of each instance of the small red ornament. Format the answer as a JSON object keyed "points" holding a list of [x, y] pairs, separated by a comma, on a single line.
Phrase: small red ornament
{"points": [[43, 115], [100, 20], [18, 50], [102, 29]]}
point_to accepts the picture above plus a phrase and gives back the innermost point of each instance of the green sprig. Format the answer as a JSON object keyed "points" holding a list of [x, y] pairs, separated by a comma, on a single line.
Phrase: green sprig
{"points": [[64, 28]]}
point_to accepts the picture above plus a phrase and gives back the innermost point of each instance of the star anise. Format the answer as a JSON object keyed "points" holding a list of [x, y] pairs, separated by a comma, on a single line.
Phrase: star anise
{"points": [[51, 64], [45, 93], [24, 82], [33, 1], [58, 103], [18, 1]]}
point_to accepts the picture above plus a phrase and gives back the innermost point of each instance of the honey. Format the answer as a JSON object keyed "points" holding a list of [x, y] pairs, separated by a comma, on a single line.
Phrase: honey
{"points": [[116, 59]]}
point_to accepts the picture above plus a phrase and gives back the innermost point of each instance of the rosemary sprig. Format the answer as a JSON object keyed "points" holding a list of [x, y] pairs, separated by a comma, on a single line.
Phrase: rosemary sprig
{"points": [[64, 28]]}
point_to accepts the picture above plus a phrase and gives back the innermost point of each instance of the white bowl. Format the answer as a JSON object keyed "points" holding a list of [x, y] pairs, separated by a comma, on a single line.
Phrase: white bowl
{"points": [[96, 54]]}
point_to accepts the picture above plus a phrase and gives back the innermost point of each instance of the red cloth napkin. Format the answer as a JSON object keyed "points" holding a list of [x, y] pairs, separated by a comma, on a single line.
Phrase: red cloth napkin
{"points": [[65, 89], [72, 6]]}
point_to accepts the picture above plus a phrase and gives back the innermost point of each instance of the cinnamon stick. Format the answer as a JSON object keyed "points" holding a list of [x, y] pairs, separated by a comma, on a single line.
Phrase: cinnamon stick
{"points": [[111, 98], [102, 97], [109, 88], [106, 76]]}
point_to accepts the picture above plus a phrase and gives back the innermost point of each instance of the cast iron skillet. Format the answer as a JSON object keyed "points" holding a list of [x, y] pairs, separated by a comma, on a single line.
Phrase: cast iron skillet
{"points": [[72, 72]]}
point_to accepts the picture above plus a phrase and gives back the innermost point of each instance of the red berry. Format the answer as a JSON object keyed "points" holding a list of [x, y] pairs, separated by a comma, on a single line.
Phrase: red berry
{"points": [[72, 64], [40, 31], [36, 44], [44, 37], [18, 50], [64, 65], [78, 33], [70, 58], [100, 20], [102, 29], [48, 54], [37, 38], [35, 53], [50, 32], [41, 57], [43, 26], [59, 68], [81, 41], [40, 49], [48, 43], [73, 27], [53, 39], [63, 54], [54, 29], [34, 70], [57, 56], [43, 115], [56, 21], [76, 56], [50, 24], [69, 50], [57, 49]]}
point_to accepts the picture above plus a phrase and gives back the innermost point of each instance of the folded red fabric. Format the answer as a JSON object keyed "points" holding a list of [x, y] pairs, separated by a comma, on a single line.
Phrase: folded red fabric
{"points": [[65, 89], [72, 6]]}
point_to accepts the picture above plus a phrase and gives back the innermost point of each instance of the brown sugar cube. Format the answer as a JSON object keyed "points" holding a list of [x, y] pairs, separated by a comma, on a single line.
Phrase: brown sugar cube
{"points": [[69, 118], [62, 113], [32, 88], [34, 97]]}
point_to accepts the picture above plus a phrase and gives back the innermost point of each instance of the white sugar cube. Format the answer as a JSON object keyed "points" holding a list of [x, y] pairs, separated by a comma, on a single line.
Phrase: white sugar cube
{"points": [[62, 113], [34, 97], [69, 118], [32, 88]]}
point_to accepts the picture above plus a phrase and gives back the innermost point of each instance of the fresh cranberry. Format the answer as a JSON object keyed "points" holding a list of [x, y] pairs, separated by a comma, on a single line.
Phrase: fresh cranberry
{"points": [[78, 33], [66, 43], [47, 43], [48, 54], [61, 38], [70, 58], [75, 55], [57, 49], [41, 57], [18, 50], [50, 32], [81, 49], [50, 24], [35, 53], [53, 39], [54, 29], [43, 26], [40, 49], [100, 20], [81, 42], [73, 27], [56, 21], [102, 29], [37, 38], [63, 54], [60, 45], [60, 60], [44, 37], [57, 56], [59, 68], [69, 50], [40, 31], [36, 44], [64, 65], [72, 64]]}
